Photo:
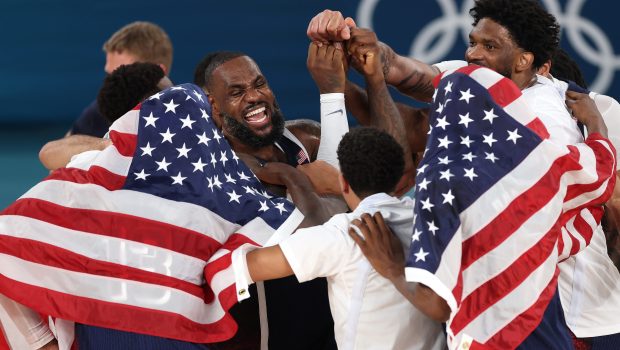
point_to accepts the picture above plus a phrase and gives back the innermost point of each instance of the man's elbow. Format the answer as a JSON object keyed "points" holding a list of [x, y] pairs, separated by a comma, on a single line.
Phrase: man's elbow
{"points": [[431, 304], [46, 156], [443, 311]]}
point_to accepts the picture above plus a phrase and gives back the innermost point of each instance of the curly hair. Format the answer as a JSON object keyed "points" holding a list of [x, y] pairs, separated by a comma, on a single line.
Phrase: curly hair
{"points": [[529, 24], [127, 86], [370, 160], [564, 67], [206, 66]]}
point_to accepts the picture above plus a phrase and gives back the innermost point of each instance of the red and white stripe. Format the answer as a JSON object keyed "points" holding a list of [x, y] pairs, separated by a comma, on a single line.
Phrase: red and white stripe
{"points": [[138, 268], [499, 272]]}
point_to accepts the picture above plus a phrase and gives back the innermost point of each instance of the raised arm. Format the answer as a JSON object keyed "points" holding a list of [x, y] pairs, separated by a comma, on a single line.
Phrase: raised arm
{"points": [[410, 76], [414, 119], [384, 114], [327, 65]]}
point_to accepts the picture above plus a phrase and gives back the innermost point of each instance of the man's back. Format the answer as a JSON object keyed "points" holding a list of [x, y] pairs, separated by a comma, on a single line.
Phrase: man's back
{"points": [[368, 311]]}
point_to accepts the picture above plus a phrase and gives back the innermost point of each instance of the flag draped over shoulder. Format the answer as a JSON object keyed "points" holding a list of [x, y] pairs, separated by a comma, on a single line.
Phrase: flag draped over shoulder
{"points": [[123, 241], [498, 205]]}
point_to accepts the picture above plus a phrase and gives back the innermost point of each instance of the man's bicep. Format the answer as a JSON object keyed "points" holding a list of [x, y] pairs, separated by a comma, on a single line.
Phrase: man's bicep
{"points": [[412, 78], [267, 264], [431, 303], [318, 251]]}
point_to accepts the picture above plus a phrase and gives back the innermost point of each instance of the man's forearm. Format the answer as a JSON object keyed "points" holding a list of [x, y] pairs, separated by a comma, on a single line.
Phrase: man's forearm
{"points": [[57, 154], [410, 76], [596, 125], [423, 298], [305, 197], [356, 101], [386, 116]]}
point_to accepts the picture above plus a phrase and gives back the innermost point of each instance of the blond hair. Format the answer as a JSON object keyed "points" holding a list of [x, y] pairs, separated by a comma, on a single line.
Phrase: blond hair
{"points": [[145, 40]]}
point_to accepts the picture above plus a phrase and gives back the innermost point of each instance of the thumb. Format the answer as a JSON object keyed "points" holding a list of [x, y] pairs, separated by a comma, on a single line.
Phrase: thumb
{"points": [[345, 33], [350, 22]]}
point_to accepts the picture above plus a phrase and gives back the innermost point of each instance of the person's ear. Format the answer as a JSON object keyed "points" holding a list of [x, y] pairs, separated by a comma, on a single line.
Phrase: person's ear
{"points": [[164, 68], [344, 184], [545, 69], [215, 111], [525, 61]]}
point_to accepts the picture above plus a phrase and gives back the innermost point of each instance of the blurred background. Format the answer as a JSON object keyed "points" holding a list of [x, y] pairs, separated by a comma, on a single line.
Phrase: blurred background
{"points": [[51, 61]]}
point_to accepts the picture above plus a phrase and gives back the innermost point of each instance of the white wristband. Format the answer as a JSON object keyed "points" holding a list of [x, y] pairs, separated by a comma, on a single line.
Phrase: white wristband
{"points": [[332, 97], [334, 125]]}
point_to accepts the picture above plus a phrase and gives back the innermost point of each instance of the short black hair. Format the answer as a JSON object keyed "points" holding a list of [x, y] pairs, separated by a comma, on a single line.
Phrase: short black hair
{"points": [[127, 86], [206, 66], [529, 24], [370, 160], [565, 68]]}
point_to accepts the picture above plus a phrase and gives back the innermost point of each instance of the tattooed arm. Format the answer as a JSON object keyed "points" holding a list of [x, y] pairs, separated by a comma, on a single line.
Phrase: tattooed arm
{"points": [[383, 112], [410, 76]]}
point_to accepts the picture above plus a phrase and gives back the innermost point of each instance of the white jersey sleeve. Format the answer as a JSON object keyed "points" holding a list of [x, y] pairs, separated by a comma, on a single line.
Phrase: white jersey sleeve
{"points": [[610, 110], [319, 251]]}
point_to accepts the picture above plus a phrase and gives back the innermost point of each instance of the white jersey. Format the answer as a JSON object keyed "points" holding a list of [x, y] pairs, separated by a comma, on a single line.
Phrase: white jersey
{"points": [[368, 311], [589, 283]]}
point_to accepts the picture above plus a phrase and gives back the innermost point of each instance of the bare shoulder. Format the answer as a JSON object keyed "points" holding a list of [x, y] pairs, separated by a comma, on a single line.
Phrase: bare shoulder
{"points": [[308, 132], [307, 126]]}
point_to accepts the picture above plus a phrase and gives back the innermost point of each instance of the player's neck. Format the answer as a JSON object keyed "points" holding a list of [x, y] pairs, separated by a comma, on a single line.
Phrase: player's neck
{"points": [[269, 153], [524, 81]]}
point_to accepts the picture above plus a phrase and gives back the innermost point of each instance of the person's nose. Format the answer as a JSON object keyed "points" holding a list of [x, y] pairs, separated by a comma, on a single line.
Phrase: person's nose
{"points": [[253, 95], [473, 54]]}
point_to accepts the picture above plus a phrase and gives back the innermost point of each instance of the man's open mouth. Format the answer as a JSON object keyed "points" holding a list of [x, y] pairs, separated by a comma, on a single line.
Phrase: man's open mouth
{"points": [[257, 116]]}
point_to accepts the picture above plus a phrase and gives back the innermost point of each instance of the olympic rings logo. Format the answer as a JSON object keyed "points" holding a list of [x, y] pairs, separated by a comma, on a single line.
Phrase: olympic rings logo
{"points": [[454, 21]]}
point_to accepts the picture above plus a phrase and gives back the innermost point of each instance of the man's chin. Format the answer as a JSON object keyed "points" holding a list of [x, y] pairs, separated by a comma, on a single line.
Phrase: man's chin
{"points": [[262, 131], [254, 136]]}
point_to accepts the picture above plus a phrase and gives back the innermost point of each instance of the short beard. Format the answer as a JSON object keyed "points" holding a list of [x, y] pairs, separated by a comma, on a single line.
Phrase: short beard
{"points": [[244, 134], [504, 71]]}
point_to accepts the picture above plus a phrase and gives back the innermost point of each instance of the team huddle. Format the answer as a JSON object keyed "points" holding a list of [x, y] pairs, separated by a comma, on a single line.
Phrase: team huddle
{"points": [[195, 216]]}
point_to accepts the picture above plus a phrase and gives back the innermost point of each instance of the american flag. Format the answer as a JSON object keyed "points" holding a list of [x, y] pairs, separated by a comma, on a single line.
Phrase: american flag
{"points": [[141, 239], [497, 206], [302, 157]]}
